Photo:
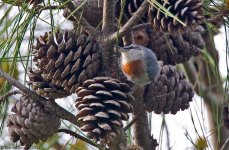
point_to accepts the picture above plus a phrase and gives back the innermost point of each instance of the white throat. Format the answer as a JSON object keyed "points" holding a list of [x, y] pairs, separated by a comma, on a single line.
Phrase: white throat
{"points": [[131, 55]]}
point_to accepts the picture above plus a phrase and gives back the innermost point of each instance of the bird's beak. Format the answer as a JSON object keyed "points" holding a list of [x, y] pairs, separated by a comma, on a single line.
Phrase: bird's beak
{"points": [[120, 49]]}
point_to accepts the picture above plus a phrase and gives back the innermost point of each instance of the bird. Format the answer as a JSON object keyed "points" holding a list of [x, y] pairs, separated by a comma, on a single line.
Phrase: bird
{"points": [[139, 64]]}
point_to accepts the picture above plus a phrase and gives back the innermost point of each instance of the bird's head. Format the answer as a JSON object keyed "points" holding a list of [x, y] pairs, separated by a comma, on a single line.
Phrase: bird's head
{"points": [[126, 49]]}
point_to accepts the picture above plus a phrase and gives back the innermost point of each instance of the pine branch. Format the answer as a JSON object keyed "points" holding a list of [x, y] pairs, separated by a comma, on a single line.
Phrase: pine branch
{"points": [[49, 104], [108, 17], [80, 137], [108, 25], [49, 7], [141, 131], [5, 96]]}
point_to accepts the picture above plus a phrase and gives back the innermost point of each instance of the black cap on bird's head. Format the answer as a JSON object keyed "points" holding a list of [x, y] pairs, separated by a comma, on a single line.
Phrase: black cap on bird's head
{"points": [[120, 49], [127, 48]]}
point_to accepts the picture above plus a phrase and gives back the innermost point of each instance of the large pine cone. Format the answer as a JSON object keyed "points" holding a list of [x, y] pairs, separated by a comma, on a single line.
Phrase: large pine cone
{"points": [[103, 103], [45, 88], [67, 59], [188, 11], [173, 49], [170, 93], [31, 122]]}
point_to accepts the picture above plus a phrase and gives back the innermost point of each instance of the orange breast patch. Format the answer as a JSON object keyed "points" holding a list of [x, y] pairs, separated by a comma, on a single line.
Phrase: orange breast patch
{"points": [[133, 68]]}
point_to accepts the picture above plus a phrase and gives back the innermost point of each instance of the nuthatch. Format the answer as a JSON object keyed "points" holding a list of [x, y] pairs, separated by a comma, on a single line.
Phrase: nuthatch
{"points": [[139, 64]]}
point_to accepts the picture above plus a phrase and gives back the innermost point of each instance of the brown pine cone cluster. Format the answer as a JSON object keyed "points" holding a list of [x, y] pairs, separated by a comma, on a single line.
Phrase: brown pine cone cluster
{"points": [[31, 122], [173, 49], [188, 11], [103, 103], [170, 93], [67, 59]]}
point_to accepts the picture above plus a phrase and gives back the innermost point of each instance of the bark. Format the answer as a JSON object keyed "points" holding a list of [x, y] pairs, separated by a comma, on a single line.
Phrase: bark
{"points": [[142, 133]]}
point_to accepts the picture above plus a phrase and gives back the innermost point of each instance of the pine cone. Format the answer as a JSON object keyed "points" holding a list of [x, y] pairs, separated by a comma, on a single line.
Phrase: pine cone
{"points": [[173, 49], [31, 122], [67, 59], [130, 7], [103, 103], [45, 88], [188, 12], [170, 93]]}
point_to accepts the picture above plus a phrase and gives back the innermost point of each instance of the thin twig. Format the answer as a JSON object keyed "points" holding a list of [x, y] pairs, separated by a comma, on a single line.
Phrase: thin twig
{"points": [[130, 23], [80, 137], [225, 145], [217, 19], [49, 104], [5, 96], [49, 7], [166, 131], [133, 120]]}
